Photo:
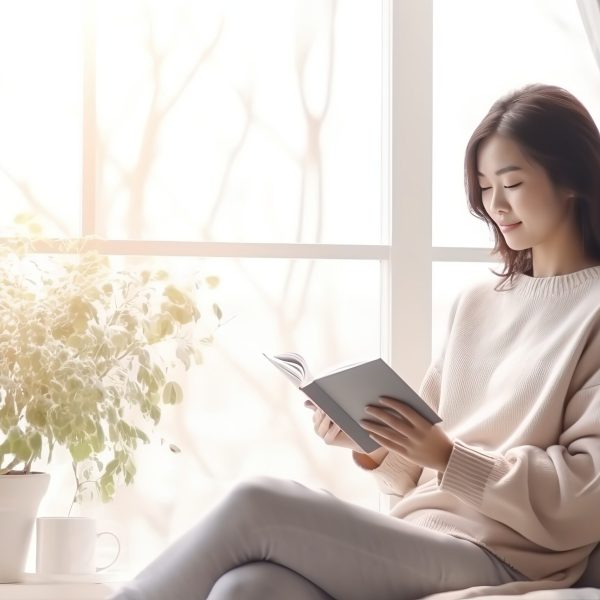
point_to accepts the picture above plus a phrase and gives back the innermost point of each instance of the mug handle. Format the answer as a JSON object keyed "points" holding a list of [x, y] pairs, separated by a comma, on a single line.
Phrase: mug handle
{"points": [[114, 560]]}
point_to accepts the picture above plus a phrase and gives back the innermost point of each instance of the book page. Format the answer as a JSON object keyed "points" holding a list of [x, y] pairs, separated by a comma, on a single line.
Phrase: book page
{"points": [[293, 366]]}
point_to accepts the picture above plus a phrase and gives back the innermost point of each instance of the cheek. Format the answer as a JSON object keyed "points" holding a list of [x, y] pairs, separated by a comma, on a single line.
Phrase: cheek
{"points": [[540, 215]]}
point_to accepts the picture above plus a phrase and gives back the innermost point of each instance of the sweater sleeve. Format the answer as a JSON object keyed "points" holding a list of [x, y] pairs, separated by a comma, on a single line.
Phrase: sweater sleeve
{"points": [[550, 496]]}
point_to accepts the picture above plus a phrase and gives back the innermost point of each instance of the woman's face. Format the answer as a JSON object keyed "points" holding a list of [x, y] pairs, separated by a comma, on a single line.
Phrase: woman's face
{"points": [[517, 190]]}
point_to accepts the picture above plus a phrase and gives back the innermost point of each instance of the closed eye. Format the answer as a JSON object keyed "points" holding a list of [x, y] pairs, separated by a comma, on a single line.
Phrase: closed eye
{"points": [[506, 187]]}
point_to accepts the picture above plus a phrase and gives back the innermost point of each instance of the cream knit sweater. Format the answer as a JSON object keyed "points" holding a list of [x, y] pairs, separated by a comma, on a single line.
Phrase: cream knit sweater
{"points": [[518, 388]]}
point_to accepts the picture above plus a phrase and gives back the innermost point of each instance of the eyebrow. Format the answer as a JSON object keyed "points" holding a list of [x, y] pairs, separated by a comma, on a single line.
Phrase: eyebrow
{"points": [[506, 169]]}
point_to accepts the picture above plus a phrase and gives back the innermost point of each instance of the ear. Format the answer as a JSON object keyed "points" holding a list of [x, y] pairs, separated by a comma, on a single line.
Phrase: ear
{"points": [[568, 195]]}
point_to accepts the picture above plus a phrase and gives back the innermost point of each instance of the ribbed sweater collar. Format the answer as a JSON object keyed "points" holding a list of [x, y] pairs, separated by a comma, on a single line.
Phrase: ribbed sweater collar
{"points": [[556, 285]]}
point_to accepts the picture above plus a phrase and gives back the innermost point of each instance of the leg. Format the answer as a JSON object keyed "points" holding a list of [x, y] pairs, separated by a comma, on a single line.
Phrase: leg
{"points": [[260, 580], [346, 550]]}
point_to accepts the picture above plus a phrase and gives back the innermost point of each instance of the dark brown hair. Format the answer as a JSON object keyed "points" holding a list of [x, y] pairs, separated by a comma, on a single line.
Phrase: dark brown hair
{"points": [[555, 130]]}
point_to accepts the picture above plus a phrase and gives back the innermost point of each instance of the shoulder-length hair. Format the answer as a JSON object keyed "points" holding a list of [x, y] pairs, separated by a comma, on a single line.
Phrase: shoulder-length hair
{"points": [[554, 129]]}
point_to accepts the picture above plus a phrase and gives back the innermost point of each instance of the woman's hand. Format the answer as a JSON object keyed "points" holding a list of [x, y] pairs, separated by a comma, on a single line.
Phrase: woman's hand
{"points": [[326, 429], [334, 436], [409, 434]]}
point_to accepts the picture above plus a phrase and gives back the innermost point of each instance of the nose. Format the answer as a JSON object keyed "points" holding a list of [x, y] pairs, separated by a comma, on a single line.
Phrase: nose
{"points": [[498, 203]]}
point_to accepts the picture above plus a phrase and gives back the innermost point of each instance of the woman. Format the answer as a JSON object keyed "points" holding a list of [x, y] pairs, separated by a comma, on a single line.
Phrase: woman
{"points": [[502, 496]]}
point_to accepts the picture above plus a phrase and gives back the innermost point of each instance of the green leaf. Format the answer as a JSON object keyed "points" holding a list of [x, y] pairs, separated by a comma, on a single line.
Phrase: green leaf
{"points": [[112, 415], [212, 281], [183, 355], [111, 467], [217, 311], [125, 429], [142, 436], [172, 393], [174, 295], [22, 450], [35, 228], [158, 375], [198, 358], [155, 413], [80, 451], [98, 440], [143, 375], [107, 488], [23, 218], [35, 443], [129, 467], [36, 415]]}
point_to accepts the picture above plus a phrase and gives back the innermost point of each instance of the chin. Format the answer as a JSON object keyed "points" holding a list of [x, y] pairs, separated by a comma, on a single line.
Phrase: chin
{"points": [[516, 244]]}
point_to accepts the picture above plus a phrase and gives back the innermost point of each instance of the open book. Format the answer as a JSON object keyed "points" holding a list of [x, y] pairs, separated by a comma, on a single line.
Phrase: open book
{"points": [[344, 393]]}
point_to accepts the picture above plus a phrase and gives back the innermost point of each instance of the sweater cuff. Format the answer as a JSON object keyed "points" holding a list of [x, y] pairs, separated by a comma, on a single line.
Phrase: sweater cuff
{"points": [[467, 473]]}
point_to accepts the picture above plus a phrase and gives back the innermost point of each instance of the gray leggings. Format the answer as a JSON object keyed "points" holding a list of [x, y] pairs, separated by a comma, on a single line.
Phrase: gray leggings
{"points": [[272, 536]]}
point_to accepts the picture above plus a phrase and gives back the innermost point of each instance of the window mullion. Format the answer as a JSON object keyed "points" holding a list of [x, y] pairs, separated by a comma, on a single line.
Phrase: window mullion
{"points": [[410, 265]]}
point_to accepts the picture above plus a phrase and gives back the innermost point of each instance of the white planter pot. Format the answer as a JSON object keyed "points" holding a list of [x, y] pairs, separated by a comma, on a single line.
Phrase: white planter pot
{"points": [[20, 497]]}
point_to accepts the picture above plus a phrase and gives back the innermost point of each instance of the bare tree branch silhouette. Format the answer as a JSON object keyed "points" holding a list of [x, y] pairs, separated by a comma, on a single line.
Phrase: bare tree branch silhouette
{"points": [[247, 103], [313, 155], [157, 113]]}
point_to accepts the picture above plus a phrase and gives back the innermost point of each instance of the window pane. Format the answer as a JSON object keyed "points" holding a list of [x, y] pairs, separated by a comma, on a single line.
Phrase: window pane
{"points": [[448, 280], [238, 121], [240, 416], [40, 116], [481, 51]]}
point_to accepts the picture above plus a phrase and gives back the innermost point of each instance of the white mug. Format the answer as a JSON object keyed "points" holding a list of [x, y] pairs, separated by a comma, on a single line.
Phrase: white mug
{"points": [[67, 546]]}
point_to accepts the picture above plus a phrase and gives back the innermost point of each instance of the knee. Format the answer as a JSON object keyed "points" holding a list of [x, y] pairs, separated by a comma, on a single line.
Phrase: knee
{"points": [[258, 492], [127, 592], [251, 581]]}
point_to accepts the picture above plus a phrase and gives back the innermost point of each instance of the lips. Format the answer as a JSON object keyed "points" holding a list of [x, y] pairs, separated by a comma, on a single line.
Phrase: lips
{"points": [[509, 227]]}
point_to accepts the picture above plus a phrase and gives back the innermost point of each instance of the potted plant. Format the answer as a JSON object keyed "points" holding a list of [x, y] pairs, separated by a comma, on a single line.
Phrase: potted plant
{"points": [[87, 355]]}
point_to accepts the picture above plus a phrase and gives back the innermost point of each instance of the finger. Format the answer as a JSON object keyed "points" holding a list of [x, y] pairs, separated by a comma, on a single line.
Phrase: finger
{"points": [[409, 413], [384, 431], [332, 433], [324, 426], [310, 405], [398, 423], [318, 417], [387, 443]]}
